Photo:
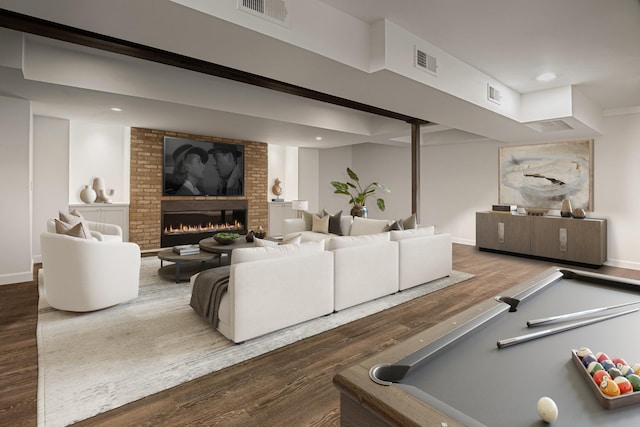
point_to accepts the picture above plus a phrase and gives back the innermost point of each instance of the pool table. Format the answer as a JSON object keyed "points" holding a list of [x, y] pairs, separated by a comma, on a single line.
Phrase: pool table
{"points": [[455, 374]]}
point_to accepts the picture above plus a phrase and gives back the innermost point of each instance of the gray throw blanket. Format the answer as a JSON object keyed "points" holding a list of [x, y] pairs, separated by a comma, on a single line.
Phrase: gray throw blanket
{"points": [[208, 289]]}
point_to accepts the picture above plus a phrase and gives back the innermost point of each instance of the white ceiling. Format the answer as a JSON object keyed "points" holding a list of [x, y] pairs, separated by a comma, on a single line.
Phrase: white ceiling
{"points": [[590, 44]]}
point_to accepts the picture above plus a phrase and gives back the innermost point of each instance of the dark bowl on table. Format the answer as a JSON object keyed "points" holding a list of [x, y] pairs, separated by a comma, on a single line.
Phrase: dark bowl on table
{"points": [[225, 239]]}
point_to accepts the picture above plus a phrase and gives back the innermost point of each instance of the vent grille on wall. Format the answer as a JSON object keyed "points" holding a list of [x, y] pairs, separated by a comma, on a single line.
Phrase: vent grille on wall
{"points": [[271, 10], [493, 94], [426, 62]]}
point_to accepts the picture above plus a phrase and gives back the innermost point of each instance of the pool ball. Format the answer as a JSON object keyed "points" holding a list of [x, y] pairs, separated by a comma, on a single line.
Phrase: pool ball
{"points": [[609, 387], [626, 370], [588, 358], [607, 364], [599, 376], [636, 368], [547, 409], [593, 367], [623, 384], [619, 361], [600, 356], [615, 372], [583, 351], [635, 381]]}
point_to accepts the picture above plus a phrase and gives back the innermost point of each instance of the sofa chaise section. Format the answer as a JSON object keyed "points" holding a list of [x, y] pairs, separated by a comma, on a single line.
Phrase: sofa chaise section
{"points": [[423, 256], [271, 288]]}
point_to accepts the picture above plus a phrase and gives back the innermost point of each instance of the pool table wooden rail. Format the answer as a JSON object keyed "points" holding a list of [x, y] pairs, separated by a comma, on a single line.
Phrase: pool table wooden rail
{"points": [[365, 403]]}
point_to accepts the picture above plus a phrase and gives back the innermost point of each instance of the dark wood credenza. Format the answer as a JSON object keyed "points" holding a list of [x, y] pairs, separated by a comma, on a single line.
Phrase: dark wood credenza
{"points": [[581, 241]]}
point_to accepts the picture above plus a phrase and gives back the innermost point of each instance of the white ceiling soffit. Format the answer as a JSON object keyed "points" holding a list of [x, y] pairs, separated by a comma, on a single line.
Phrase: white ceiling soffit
{"points": [[393, 48], [366, 61]]}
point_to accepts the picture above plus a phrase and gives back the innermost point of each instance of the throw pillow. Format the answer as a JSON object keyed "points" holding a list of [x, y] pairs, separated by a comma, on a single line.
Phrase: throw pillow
{"points": [[410, 222], [362, 226], [73, 218], [308, 219], [335, 226], [320, 225], [396, 225], [416, 232], [292, 240], [76, 230], [262, 243]]}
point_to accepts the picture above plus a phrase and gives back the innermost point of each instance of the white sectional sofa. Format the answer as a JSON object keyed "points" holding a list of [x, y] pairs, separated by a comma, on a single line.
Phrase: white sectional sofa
{"points": [[365, 268], [423, 256], [271, 288]]}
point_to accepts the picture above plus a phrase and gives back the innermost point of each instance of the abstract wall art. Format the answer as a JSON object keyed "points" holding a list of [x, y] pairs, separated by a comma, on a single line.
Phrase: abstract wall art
{"points": [[542, 175]]}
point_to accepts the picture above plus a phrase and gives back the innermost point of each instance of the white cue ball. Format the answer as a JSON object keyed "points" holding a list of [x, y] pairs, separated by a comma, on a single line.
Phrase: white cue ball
{"points": [[547, 409]]}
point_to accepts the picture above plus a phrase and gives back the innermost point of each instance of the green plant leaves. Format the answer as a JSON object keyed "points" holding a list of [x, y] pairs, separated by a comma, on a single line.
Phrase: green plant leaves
{"points": [[361, 194]]}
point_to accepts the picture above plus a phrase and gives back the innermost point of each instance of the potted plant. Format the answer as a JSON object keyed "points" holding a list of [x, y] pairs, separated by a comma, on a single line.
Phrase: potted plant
{"points": [[358, 195]]}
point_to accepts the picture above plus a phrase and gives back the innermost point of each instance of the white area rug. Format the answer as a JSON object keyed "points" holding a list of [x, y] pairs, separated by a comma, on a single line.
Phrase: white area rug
{"points": [[94, 362]]}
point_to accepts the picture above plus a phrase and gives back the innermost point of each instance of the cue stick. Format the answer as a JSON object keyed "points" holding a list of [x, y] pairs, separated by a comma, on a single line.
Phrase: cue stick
{"points": [[528, 337], [537, 322]]}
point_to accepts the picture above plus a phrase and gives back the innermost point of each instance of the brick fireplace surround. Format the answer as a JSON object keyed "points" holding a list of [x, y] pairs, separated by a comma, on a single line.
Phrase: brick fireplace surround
{"points": [[146, 184]]}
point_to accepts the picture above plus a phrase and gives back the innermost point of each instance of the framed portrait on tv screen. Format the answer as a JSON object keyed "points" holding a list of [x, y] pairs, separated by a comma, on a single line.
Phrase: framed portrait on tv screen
{"points": [[202, 168]]}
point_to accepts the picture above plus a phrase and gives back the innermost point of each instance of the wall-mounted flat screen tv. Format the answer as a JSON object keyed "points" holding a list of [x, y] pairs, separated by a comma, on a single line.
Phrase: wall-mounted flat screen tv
{"points": [[202, 168]]}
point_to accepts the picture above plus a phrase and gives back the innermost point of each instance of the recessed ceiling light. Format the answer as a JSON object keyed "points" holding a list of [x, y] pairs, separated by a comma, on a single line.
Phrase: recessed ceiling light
{"points": [[546, 77], [318, 138], [116, 109]]}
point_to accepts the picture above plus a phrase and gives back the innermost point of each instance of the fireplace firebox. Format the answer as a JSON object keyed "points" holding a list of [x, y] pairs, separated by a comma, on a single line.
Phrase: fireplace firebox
{"points": [[189, 221]]}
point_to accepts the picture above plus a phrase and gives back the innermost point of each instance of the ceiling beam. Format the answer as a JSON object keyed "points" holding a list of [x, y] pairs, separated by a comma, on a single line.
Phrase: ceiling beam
{"points": [[29, 24]]}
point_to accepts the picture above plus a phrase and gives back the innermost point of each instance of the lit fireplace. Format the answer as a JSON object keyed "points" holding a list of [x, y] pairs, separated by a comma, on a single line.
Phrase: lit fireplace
{"points": [[189, 221], [207, 228]]}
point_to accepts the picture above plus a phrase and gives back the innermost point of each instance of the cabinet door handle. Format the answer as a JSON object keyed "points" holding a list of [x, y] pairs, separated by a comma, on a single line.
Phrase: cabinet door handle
{"points": [[563, 239], [501, 232]]}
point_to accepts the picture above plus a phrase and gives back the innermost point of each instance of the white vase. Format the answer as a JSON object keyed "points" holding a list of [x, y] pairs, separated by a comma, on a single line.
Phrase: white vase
{"points": [[88, 195]]}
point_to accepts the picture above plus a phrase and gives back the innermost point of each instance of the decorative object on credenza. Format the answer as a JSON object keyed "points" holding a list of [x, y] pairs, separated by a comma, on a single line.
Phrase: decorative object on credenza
{"points": [[260, 233], [88, 194], [276, 189], [536, 211], [359, 198], [225, 238], [101, 192], [566, 210], [299, 206], [542, 175], [250, 236], [578, 213]]}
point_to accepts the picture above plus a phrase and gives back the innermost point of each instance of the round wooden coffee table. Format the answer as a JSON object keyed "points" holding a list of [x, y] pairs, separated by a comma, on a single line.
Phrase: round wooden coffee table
{"points": [[212, 246], [184, 266]]}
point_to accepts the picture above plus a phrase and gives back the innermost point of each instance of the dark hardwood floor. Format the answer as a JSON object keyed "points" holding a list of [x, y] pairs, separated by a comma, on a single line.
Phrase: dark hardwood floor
{"points": [[287, 387]]}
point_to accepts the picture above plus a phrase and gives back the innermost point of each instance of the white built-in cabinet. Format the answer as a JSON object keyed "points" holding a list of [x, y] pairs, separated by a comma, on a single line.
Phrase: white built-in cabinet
{"points": [[278, 211], [115, 213]]}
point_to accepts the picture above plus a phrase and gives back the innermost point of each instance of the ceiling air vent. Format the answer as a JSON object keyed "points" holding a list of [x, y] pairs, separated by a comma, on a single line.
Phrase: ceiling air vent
{"points": [[549, 126], [426, 62], [271, 10], [493, 94]]}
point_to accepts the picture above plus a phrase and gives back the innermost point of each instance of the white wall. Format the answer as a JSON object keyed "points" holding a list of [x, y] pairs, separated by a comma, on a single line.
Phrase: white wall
{"points": [[283, 164], [309, 175], [15, 175], [459, 179], [99, 150], [50, 174], [616, 176]]}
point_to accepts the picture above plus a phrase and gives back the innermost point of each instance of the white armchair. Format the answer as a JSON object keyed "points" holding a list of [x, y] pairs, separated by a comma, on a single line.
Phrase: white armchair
{"points": [[99, 230], [85, 275]]}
